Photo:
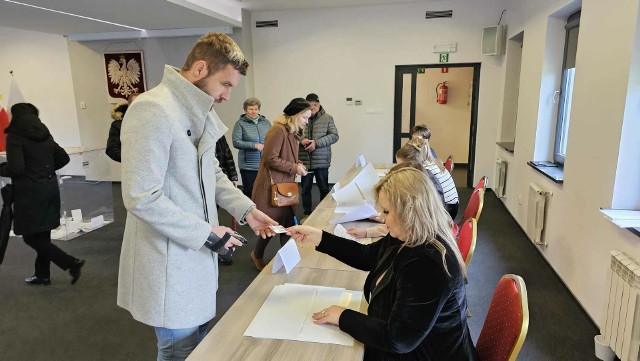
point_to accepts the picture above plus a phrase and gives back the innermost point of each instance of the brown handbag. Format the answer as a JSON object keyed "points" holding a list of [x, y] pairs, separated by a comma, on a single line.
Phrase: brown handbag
{"points": [[284, 194]]}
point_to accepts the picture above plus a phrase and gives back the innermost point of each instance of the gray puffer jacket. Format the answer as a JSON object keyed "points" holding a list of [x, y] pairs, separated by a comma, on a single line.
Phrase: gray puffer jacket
{"points": [[322, 128], [246, 135]]}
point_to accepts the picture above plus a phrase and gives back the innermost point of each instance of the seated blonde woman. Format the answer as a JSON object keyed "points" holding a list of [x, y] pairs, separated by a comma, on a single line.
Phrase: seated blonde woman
{"points": [[415, 287]]}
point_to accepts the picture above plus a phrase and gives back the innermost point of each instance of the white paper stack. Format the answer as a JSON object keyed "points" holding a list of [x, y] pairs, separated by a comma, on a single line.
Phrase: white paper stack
{"points": [[287, 314], [356, 199]]}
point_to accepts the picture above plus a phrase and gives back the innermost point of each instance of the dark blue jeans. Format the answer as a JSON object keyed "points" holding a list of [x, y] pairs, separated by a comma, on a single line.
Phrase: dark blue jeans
{"points": [[248, 178], [322, 180]]}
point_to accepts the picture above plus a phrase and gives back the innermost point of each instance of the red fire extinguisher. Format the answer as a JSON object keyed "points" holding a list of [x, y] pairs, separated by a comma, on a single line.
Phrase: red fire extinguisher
{"points": [[441, 91]]}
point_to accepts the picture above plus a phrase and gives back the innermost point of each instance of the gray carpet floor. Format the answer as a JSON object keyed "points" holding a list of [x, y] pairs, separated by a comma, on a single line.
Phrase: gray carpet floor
{"points": [[82, 322]]}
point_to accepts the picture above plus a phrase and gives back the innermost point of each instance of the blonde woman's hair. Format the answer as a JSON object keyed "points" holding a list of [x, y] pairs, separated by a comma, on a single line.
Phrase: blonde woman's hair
{"points": [[420, 211], [218, 50], [289, 121], [418, 150]]}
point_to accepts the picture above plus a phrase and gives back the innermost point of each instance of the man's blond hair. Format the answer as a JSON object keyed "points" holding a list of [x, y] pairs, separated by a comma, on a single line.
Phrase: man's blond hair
{"points": [[217, 50]]}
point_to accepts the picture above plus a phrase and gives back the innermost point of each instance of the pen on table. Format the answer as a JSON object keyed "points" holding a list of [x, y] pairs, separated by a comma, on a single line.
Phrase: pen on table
{"points": [[295, 221]]}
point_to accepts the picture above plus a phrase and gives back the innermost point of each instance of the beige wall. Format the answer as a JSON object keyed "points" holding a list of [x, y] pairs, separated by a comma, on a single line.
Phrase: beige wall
{"points": [[579, 238], [42, 76], [450, 123], [353, 51], [89, 83]]}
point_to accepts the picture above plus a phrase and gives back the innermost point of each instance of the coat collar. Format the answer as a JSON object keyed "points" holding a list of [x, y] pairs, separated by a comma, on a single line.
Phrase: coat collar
{"points": [[199, 105]]}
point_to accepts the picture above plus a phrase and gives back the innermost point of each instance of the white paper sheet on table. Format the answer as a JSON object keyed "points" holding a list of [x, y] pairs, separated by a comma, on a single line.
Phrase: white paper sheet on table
{"points": [[288, 256], [346, 208], [287, 314], [340, 231], [363, 212], [361, 187]]}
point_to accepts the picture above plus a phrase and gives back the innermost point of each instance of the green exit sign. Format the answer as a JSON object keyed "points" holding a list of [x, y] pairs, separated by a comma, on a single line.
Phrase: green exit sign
{"points": [[421, 70], [444, 57]]}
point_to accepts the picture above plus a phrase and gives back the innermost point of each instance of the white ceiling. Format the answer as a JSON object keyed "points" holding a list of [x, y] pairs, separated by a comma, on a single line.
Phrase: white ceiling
{"points": [[144, 14]]}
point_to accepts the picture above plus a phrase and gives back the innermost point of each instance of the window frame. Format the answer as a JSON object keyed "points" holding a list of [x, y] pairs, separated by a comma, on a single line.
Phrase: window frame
{"points": [[573, 21]]}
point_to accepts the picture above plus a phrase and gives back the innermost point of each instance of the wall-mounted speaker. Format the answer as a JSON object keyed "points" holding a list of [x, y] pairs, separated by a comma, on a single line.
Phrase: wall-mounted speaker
{"points": [[494, 39]]}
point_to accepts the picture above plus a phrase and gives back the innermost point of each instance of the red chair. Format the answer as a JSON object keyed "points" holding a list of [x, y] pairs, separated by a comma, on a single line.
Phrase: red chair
{"points": [[474, 208], [482, 184], [448, 164], [507, 322], [467, 240]]}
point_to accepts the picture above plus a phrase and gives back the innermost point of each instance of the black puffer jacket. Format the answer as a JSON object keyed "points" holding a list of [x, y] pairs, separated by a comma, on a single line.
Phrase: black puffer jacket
{"points": [[322, 128], [113, 143], [32, 159], [225, 157]]}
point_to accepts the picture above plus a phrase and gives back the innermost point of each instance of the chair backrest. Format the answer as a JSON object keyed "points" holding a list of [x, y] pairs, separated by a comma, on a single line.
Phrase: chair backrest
{"points": [[482, 183], [474, 208], [467, 239], [507, 322], [448, 164]]}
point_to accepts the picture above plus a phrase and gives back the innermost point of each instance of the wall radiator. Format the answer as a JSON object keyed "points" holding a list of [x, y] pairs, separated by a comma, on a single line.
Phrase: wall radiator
{"points": [[501, 176], [536, 213], [621, 324]]}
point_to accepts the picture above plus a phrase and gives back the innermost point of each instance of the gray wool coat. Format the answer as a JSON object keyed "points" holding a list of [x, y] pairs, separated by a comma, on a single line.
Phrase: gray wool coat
{"points": [[171, 182]]}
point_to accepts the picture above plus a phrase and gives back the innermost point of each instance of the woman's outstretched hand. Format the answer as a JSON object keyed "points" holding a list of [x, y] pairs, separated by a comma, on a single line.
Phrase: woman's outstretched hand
{"points": [[305, 234]]}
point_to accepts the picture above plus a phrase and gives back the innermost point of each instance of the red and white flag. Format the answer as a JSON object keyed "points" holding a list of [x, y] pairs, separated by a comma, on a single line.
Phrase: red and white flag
{"points": [[4, 123]]}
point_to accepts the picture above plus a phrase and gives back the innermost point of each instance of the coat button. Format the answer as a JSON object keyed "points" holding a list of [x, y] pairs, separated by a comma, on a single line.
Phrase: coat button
{"points": [[188, 132]]}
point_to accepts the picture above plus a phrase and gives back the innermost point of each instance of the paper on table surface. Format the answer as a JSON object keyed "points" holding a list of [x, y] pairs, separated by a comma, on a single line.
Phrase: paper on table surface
{"points": [[287, 314], [340, 231], [288, 256], [360, 161], [346, 208], [363, 212], [360, 187], [76, 214]]}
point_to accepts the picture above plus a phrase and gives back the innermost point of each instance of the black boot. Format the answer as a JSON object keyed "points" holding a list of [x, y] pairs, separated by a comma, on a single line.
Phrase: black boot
{"points": [[74, 270], [34, 280]]}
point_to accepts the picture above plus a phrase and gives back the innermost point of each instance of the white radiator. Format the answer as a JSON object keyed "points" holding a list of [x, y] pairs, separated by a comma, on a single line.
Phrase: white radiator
{"points": [[501, 176], [536, 213], [620, 327]]}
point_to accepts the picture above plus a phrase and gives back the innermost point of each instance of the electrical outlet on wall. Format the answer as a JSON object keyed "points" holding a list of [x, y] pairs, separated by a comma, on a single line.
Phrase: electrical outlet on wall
{"points": [[83, 105]]}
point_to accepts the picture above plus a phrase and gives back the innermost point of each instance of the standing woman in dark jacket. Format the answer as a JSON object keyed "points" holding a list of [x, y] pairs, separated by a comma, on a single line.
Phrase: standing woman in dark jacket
{"points": [[32, 160], [415, 287], [114, 146], [248, 137]]}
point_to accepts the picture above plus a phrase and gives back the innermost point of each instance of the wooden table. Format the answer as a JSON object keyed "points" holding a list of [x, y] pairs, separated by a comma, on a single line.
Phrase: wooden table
{"points": [[226, 340]]}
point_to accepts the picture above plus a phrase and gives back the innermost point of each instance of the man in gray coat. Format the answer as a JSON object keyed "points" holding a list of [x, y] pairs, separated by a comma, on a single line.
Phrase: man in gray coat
{"points": [[171, 182], [315, 151]]}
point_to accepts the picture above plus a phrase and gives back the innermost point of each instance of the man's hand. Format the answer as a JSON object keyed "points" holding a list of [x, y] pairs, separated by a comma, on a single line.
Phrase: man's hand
{"points": [[260, 223], [220, 231], [235, 183], [311, 146], [305, 141], [259, 146]]}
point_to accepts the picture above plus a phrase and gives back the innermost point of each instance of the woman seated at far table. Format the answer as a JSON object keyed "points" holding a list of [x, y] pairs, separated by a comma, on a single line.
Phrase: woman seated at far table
{"points": [[415, 287]]}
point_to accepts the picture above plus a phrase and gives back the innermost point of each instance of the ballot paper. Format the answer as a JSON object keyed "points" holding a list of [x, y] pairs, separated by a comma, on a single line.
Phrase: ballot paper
{"points": [[363, 212], [340, 231], [360, 161], [288, 256], [360, 188], [287, 314]]}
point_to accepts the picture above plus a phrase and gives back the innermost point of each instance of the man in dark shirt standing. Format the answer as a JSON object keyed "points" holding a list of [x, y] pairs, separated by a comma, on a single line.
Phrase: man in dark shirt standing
{"points": [[315, 151]]}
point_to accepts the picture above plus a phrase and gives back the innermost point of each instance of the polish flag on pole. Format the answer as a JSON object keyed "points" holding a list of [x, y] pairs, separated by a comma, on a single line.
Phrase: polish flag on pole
{"points": [[4, 123]]}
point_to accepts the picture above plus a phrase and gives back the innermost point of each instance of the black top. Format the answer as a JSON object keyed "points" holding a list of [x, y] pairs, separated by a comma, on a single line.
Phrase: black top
{"points": [[417, 311], [225, 158], [114, 146], [32, 159]]}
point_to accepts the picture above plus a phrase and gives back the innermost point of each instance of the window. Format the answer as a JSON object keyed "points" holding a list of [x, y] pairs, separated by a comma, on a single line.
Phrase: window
{"points": [[566, 88]]}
